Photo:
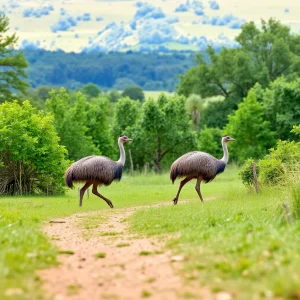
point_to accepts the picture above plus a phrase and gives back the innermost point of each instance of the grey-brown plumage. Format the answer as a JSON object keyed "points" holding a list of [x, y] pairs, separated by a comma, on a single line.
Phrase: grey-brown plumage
{"points": [[96, 170], [198, 165]]}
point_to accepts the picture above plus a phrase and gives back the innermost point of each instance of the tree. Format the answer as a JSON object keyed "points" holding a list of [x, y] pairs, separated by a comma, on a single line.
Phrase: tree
{"points": [[263, 55], [282, 106], [163, 132], [91, 90], [134, 93], [214, 114], [71, 122], [12, 64], [127, 112], [113, 96], [194, 104], [31, 159], [210, 141], [250, 130], [97, 124]]}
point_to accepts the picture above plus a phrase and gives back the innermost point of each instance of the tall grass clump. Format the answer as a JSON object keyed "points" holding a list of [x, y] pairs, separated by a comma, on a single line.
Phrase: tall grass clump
{"points": [[296, 201]]}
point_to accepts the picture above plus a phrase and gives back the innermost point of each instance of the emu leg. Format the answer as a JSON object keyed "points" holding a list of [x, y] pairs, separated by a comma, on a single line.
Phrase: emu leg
{"points": [[181, 185], [197, 187], [95, 192], [82, 191]]}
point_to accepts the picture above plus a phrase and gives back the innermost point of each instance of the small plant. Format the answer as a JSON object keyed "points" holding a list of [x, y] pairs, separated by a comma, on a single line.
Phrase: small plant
{"points": [[246, 173], [73, 289], [144, 253], [146, 294], [123, 245], [100, 255], [70, 252]]}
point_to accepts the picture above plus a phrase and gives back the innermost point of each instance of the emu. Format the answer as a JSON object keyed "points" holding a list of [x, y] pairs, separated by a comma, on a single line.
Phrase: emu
{"points": [[97, 170], [199, 165]]}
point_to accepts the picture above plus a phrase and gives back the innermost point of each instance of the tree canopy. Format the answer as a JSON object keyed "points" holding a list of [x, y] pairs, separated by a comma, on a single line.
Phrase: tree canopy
{"points": [[163, 130], [70, 121], [134, 93], [31, 159], [13, 64], [263, 55], [249, 128]]}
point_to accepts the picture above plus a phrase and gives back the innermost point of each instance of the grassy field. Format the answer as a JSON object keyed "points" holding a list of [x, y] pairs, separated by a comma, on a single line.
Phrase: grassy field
{"points": [[235, 242], [239, 243]]}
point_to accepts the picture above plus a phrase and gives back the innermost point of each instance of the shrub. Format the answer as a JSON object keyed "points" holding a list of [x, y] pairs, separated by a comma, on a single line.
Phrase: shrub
{"points": [[246, 173], [32, 161], [277, 167]]}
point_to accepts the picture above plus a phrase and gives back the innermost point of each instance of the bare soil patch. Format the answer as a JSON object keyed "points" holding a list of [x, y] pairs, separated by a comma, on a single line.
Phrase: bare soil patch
{"points": [[103, 260]]}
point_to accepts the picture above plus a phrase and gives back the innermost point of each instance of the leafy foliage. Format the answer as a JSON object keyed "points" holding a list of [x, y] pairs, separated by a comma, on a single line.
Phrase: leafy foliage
{"points": [[246, 173], [276, 167], [12, 64], [70, 121], [282, 106], [194, 104], [210, 141], [127, 112], [252, 133], [264, 55], [97, 123], [134, 93], [163, 131], [32, 159], [282, 160], [91, 90]]}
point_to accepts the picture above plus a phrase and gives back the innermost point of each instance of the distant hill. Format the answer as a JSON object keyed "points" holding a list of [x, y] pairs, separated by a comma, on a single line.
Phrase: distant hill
{"points": [[151, 71]]}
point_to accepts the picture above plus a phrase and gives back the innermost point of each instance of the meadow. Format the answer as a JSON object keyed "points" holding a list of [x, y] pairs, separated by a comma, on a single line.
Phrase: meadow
{"points": [[234, 241]]}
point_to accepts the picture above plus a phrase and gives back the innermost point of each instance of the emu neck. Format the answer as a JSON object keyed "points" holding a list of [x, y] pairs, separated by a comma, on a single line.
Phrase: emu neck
{"points": [[122, 154], [225, 151]]}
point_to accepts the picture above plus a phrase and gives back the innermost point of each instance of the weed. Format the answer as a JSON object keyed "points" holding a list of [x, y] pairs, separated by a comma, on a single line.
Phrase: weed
{"points": [[145, 253], [122, 245], [100, 255], [145, 294], [70, 252]]}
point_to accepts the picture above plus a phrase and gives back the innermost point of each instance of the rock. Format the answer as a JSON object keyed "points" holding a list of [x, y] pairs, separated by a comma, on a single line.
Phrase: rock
{"points": [[223, 296], [177, 258]]}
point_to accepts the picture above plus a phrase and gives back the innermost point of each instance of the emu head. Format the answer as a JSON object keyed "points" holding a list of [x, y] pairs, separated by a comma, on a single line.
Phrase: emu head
{"points": [[227, 138], [124, 139]]}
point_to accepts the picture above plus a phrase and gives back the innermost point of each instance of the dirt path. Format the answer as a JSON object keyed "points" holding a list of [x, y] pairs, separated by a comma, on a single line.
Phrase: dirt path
{"points": [[134, 267]]}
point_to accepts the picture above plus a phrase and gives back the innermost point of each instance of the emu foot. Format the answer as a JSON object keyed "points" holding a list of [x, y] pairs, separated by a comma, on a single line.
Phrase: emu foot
{"points": [[175, 200], [110, 204]]}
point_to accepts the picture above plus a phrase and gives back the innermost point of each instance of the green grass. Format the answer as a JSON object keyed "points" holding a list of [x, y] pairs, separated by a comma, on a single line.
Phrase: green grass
{"points": [[145, 253], [121, 245], [24, 248], [236, 243], [100, 255]]}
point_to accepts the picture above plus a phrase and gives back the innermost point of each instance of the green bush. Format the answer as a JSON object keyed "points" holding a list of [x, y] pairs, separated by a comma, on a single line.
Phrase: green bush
{"points": [[277, 167], [271, 171], [31, 159], [246, 173]]}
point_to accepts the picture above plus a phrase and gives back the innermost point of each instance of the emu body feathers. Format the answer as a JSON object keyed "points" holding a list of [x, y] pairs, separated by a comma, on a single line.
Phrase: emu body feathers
{"points": [[196, 164], [97, 170], [94, 168], [199, 165]]}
